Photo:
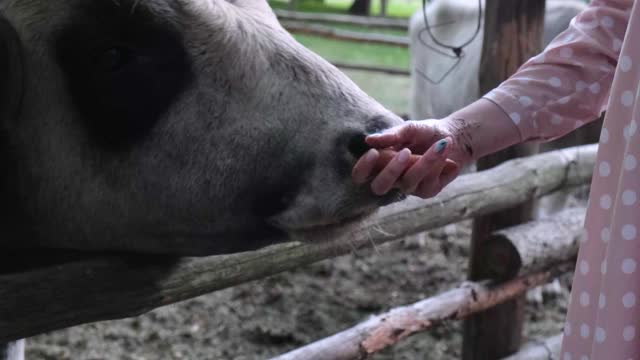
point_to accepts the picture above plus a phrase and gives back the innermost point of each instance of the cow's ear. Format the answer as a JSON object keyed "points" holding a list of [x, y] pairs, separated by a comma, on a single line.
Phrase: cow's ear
{"points": [[11, 71]]}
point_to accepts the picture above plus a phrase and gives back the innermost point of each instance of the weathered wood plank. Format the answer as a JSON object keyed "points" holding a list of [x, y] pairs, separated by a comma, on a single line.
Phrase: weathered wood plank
{"points": [[512, 34], [368, 21], [544, 349], [338, 34], [109, 287], [372, 68], [532, 246], [384, 330]]}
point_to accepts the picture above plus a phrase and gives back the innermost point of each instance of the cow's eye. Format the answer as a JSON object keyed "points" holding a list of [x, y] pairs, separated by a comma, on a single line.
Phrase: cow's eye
{"points": [[113, 59]]}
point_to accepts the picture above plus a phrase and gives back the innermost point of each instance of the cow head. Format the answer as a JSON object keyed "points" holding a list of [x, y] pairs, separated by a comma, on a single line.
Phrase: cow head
{"points": [[172, 126]]}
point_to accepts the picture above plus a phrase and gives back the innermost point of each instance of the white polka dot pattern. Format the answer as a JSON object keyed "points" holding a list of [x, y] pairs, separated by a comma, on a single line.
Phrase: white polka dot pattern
{"points": [[625, 63], [627, 98], [574, 80], [600, 335], [629, 197], [605, 234], [630, 130], [584, 299], [629, 300], [604, 136], [516, 118], [604, 169], [607, 22], [555, 82], [605, 202], [630, 162], [584, 267], [525, 101], [629, 333], [617, 44], [629, 232], [628, 266]]}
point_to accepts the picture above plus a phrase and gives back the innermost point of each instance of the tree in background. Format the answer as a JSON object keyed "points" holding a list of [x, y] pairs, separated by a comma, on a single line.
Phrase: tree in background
{"points": [[360, 7]]}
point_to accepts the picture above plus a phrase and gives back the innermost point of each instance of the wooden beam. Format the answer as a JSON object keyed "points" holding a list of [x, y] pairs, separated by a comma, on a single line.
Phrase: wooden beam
{"points": [[366, 21], [512, 34], [338, 34], [109, 287], [544, 349], [532, 246], [372, 68], [384, 330]]}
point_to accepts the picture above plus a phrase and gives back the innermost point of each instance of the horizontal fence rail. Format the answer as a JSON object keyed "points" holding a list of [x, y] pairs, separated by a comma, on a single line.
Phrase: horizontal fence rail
{"points": [[544, 249], [372, 68], [544, 349], [367, 21], [110, 287], [298, 27], [382, 331]]}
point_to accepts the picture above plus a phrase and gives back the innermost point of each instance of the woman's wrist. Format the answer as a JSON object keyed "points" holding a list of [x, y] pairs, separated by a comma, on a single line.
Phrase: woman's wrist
{"points": [[480, 129]]}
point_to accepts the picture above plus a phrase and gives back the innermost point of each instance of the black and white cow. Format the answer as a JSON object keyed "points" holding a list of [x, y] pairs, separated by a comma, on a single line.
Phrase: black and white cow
{"points": [[187, 127], [172, 126]]}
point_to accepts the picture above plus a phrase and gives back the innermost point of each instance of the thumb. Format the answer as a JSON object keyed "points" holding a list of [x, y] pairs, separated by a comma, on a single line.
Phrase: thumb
{"points": [[394, 136]]}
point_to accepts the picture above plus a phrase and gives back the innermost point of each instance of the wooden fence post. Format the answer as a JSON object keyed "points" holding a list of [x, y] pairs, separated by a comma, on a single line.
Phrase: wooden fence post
{"points": [[512, 34]]}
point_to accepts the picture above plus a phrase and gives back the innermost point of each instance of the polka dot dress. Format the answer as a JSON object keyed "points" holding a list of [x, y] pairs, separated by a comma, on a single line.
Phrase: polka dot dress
{"points": [[594, 65]]}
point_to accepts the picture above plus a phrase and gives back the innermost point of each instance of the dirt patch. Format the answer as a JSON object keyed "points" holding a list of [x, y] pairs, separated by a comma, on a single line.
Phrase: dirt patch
{"points": [[265, 318]]}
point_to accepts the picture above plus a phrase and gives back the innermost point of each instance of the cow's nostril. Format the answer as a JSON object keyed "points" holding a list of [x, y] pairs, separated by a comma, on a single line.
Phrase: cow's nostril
{"points": [[357, 146]]}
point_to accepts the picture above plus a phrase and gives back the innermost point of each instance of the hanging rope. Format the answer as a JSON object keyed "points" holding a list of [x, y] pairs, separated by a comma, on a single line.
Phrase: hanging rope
{"points": [[458, 51]]}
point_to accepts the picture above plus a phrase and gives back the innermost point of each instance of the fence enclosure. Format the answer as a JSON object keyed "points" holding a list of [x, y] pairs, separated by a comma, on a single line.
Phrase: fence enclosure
{"points": [[521, 257], [111, 287]]}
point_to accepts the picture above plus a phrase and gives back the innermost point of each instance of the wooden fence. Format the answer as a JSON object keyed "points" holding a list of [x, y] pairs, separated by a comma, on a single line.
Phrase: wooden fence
{"points": [[316, 24], [340, 34], [111, 287], [366, 21]]}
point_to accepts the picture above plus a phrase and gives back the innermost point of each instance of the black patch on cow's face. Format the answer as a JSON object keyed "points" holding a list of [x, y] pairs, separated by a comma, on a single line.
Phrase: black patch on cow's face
{"points": [[273, 192], [124, 67]]}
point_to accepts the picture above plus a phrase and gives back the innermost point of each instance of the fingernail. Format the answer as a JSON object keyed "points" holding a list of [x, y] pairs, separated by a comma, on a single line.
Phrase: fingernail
{"points": [[441, 146], [404, 155], [371, 155]]}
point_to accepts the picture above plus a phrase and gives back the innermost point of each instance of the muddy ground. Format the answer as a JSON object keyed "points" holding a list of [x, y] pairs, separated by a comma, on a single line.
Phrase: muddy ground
{"points": [[265, 318]]}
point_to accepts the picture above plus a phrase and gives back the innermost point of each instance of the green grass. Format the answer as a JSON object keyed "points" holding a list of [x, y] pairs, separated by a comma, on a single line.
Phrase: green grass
{"points": [[370, 29], [395, 8], [390, 91], [355, 53]]}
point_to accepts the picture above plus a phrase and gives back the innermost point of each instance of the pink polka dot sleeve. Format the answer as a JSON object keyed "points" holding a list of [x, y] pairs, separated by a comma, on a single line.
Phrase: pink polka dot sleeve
{"points": [[568, 83]]}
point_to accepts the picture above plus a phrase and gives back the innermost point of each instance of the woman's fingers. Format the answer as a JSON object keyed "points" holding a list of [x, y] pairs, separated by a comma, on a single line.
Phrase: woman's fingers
{"points": [[363, 169], [394, 137], [388, 177], [430, 189], [449, 173], [428, 169]]}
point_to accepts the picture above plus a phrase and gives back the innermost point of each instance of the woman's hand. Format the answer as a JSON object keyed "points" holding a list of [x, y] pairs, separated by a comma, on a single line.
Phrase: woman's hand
{"points": [[390, 163]]}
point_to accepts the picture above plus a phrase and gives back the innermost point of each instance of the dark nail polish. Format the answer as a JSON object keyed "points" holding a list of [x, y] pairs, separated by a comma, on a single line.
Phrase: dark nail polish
{"points": [[441, 145]]}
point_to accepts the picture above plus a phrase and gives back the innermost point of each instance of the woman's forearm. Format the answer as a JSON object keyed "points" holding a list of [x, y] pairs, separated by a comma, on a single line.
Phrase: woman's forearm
{"points": [[480, 129]]}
